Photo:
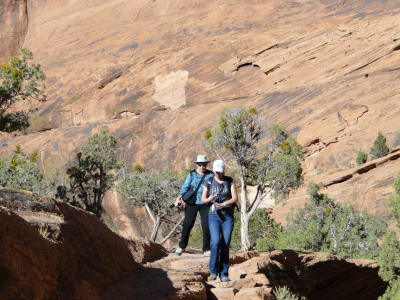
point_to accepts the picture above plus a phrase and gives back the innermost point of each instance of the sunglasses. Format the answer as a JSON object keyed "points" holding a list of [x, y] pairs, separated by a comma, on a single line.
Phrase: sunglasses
{"points": [[202, 165]]}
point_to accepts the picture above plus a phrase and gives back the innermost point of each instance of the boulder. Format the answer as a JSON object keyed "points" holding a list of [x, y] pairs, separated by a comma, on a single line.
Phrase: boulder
{"points": [[258, 293]]}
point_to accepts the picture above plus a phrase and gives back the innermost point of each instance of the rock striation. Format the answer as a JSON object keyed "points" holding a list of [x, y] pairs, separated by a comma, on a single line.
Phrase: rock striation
{"points": [[158, 72]]}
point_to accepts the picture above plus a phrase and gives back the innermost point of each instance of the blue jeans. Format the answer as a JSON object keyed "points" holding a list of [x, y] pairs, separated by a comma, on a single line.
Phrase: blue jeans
{"points": [[219, 262]]}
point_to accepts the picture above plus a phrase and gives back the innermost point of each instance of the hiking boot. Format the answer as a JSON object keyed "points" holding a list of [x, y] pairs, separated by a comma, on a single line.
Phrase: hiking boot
{"points": [[179, 251], [225, 279], [212, 277], [207, 253]]}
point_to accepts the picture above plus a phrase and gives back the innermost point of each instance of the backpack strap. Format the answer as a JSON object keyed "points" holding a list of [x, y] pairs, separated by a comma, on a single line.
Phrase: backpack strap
{"points": [[201, 180], [209, 190]]}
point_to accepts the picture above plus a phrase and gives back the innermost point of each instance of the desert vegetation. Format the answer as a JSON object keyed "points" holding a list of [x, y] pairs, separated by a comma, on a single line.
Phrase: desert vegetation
{"points": [[92, 177], [389, 256], [155, 191], [380, 147], [21, 171], [20, 81], [321, 225], [284, 293], [362, 158], [273, 167]]}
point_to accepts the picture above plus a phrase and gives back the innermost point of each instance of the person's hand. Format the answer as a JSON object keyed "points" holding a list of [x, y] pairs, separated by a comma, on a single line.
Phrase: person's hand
{"points": [[220, 204], [178, 201], [212, 197]]}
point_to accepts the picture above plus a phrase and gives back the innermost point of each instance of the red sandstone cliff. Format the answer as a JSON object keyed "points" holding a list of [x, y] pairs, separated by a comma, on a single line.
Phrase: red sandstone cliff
{"points": [[327, 70], [13, 26]]}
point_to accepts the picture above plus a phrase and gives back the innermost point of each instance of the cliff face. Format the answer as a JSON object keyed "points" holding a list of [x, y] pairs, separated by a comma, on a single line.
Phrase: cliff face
{"points": [[13, 24], [157, 73]]}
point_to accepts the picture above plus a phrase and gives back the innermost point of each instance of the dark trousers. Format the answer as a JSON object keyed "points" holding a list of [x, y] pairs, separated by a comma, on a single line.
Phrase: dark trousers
{"points": [[188, 223]]}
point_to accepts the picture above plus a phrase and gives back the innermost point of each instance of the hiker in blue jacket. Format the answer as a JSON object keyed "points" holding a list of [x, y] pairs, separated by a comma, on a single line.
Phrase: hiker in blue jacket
{"points": [[191, 183]]}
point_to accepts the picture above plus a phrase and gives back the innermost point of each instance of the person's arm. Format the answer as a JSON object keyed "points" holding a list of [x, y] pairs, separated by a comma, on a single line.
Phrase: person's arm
{"points": [[184, 189], [204, 197], [231, 201]]}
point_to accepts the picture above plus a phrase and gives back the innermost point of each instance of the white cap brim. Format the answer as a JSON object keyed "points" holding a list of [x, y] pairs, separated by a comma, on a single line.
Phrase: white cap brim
{"points": [[218, 169]]}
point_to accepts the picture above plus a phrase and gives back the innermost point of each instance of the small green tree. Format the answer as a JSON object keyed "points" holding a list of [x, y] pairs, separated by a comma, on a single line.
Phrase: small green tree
{"points": [[392, 292], [362, 158], [263, 231], [394, 200], [380, 148], [19, 81], [92, 178], [323, 225], [155, 191], [275, 168], [21, 171], [389, 257]]}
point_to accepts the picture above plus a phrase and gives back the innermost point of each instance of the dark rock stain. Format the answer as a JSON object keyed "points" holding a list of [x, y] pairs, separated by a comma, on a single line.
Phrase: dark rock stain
{"points": [[49, 108], [133, 46]]}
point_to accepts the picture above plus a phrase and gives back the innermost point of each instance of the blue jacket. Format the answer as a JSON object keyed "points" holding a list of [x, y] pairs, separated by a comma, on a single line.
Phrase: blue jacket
{"points": [[191, 183]]}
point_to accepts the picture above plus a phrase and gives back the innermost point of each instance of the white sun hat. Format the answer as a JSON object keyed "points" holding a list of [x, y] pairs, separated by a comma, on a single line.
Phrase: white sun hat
{"points": [[219, 166], [201, 159]]}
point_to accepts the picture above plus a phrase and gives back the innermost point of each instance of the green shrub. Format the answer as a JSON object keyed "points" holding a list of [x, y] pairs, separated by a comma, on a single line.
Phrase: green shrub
{"points": [[362, 157], [138, 168], [394, 200], [389, 256], [323, 225], [196, 240], [208, 134], [380, 149], [90, 179], [19, 81], [284, 293], [21, 171], [392, 292], [262, 229], [236, 236]]}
